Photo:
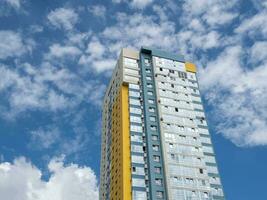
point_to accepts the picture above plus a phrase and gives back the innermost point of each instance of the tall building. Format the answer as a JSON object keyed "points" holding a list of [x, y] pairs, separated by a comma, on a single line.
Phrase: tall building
{"points": [[155, 139]]}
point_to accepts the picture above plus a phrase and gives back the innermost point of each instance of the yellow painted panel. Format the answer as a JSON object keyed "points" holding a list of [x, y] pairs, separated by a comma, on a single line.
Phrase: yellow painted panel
{"points": [[190, 67], [120, 185], [126, 144]]}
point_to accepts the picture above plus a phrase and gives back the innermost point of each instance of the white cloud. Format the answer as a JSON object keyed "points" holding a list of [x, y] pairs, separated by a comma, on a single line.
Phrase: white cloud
{"points": [[97, 56], [14, 3], [95, 48], [65, 18], [44, 88], [98, 10], [11, 45], [21, 180], [259, 51], [140, 3], [255, 25], [44, 137], [59, 51], [237, 97]]}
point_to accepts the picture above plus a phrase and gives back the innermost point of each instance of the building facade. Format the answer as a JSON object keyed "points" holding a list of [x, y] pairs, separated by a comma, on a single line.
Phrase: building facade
{"points": [[155, 139]]}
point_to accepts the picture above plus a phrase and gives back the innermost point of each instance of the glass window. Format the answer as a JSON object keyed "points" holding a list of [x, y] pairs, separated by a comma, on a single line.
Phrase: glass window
{"points": [[138, 182], [153, 128], [137, 148], [150, 93], [135, 110], [136, 128], [155, 147], [148, 78], [149, 85], [156, 158], [139, 195], [138, 170], [155, 137], [135, 119], [152, 118], [137, 159], [159, 194], [134, 94], [136, 138], [150, 101], [148, 70], [134, 86], [157, 170], [158, 181], [150, 109], [135, 102]]}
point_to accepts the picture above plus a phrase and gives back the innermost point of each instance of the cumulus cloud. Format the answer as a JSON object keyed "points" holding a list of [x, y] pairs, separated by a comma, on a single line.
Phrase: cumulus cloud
{"points": [[59, 51], [98, 10], [14, 3], [45, 88], [44, 137], [140, 3], [255, 25], [22, 180], [65, 18], [237, 97], [12, 44]]}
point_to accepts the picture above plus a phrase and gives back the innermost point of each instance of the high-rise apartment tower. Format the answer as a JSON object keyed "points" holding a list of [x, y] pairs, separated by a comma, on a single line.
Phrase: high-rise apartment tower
{"points": [[155, 139]]}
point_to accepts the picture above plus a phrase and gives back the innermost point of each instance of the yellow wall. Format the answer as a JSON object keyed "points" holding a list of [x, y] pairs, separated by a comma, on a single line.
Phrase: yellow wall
{"points": [[120, 148], [190, 67]]}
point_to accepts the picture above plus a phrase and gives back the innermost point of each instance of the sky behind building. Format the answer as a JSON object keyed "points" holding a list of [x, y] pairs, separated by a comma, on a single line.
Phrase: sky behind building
{"points": [[56, 58]]}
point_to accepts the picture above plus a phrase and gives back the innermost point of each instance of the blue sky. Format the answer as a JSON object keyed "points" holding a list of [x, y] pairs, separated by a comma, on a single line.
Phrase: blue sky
{"points": [[56, 59]]}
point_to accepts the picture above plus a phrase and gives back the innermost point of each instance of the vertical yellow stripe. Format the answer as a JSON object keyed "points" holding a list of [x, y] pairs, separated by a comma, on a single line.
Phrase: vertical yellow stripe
{"points": [[126, 143], [120, 188]]}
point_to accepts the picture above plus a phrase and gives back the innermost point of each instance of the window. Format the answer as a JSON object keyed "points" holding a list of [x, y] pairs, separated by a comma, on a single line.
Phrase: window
{"points": [[135, 119], [160, 69], [135, 102], [171, 71], [149, 85], [159, 194], [136, 128], [155, 137], [158, 181], [150, 101], [147, 62], [135, 110], [172, 85], [138, 170], [172, 156], [155, 147], [171, 145], [152, 118], [138, 182], [148, 78], [134, 86], [157, 170], [150, 93], [201, 171], [136, 138], [156, 158], [153, 128], [139, 195], [150, 109], [136, 148], [137, 159], [134, 94], [148, 70], [176, 110]]}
